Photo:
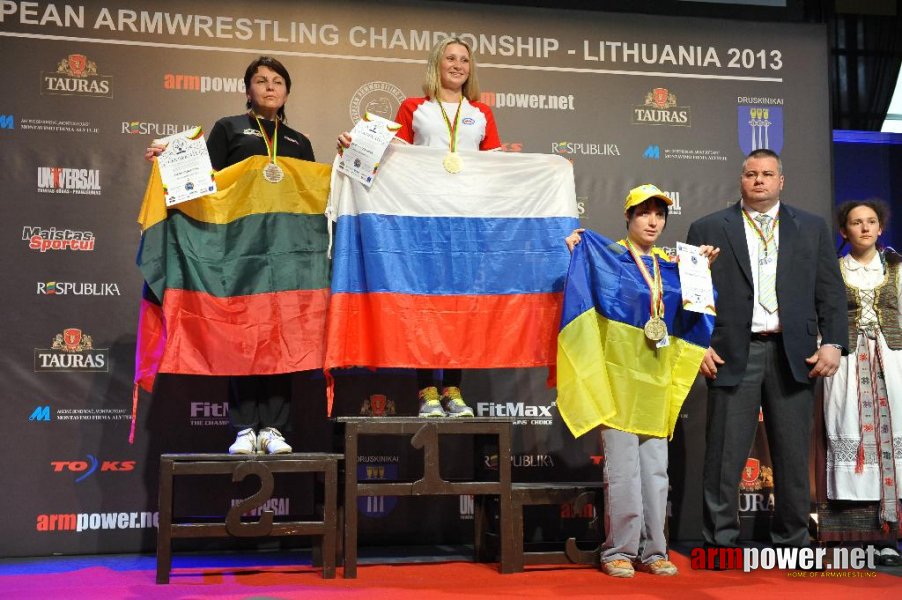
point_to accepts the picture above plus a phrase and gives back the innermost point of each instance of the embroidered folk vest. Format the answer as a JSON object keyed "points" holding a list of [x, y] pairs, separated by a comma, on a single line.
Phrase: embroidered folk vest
{"points": [[886, 305]]}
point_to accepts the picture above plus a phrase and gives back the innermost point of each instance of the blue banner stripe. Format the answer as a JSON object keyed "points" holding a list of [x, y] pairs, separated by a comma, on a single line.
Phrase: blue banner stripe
{"points": [[450, 255]]}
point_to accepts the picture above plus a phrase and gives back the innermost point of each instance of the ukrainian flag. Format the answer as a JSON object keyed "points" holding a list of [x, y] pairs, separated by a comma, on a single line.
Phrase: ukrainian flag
{"points": [[608, 372]]}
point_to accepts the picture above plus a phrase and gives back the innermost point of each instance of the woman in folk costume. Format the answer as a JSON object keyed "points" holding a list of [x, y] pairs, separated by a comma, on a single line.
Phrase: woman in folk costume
{"points": [[863, 400]]}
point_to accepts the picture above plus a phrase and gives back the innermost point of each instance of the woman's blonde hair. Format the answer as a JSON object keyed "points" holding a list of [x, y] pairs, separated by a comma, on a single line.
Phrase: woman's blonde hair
{"points": [[433, 82]]}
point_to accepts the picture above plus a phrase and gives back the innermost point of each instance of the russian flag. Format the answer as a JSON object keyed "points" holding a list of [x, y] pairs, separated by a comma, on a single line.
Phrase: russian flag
{"points": [[440, 270]]}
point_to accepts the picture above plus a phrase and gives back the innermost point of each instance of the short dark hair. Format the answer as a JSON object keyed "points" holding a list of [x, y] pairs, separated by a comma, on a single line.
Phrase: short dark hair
{"points": [[764, 153], [275, 65], [654, 200]]}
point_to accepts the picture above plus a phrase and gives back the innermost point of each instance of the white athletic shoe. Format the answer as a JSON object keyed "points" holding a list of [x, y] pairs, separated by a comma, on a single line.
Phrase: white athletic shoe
{"points": [[271, 441], [245, 443]]}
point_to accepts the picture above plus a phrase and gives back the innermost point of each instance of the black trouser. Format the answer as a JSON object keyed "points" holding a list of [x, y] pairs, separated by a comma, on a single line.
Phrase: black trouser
{"points": [[450, 378], [788, 408], [258, 401]]}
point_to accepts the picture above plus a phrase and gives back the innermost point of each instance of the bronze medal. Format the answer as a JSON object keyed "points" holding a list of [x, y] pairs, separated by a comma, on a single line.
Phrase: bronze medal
{"points": [[655, 329]]}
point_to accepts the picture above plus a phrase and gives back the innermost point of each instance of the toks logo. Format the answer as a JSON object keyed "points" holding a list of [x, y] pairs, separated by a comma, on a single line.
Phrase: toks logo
{"points": [[75, 75], [71, 351], [88, 467], [59, 180], [660, 108]]}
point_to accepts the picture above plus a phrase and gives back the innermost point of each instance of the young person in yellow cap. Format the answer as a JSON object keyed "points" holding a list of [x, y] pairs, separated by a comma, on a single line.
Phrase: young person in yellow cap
{"points": [[635, 466]]}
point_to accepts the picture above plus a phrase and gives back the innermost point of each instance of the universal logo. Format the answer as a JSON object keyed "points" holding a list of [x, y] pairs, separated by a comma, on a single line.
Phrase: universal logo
{"points": [[376, 97], [75, 75], [71, 350], [660, 108], [60, 180]]}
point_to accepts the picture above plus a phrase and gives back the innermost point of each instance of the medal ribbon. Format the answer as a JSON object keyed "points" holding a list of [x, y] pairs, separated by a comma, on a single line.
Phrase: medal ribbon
{"points": [[272, 144], [452, 129], [655, 284], [773, 228]]}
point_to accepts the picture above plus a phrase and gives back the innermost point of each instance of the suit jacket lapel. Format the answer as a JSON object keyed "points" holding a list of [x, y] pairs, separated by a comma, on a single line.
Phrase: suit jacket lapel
{"points": [[789, 233], [735, 233]]}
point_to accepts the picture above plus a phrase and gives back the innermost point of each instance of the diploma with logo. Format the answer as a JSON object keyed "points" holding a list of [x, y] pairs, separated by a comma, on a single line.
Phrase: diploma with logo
{"points": [[695, 280], [370, 137], [185, 167]]}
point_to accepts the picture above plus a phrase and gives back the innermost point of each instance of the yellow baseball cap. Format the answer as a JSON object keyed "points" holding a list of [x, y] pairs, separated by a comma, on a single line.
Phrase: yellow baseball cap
{"points": [[640, 194]]}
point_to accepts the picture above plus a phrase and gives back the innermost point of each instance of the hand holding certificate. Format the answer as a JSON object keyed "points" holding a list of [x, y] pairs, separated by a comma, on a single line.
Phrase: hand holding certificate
{"points": [[695, 279], [185, 167], [371, 136]]}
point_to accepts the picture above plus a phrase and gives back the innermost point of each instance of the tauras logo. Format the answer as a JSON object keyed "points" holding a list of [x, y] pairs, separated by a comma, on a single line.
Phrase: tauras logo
{"points": [[75, 75], [57, 239], [61, 180], [71, 350], [71, 288], [660, 108]]}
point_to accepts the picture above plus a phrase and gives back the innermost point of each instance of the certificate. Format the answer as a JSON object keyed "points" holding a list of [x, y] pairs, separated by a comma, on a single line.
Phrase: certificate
{"points": [[370, 137], [185, 167], [695, 280]]}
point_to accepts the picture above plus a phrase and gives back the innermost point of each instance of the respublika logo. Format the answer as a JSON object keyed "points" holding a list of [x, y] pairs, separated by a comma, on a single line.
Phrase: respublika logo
{"points": [[376, 97], [529, 101], [661, 108], [204, 83], [80, 288], [760, 124], [42, 240], [89, 466], [7, 122], [532, 461], [524, 414], [61, 180], [826, 560], [71, 350], [75, 75], [585, 148], [154, 129]]}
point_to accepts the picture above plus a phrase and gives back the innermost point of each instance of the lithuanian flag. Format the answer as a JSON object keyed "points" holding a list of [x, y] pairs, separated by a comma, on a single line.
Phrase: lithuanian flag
{"points": [[608, 372], [237, 282]]}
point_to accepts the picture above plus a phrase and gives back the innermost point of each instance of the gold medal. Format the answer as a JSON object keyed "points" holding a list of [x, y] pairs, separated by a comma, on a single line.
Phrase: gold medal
{"points": [[655, 329], [273, 173], [453, 163]]}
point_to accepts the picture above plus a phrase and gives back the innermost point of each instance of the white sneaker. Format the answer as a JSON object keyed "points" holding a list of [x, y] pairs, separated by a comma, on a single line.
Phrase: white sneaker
{"points": [[271, 441], [245, 443]]}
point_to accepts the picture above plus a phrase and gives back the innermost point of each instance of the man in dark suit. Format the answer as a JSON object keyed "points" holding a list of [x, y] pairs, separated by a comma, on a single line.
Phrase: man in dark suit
{"points": [[779, 287]]}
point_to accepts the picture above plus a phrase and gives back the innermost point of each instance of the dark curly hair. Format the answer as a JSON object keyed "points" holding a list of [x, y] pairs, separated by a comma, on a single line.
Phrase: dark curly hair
{"points": [[880, 208]]}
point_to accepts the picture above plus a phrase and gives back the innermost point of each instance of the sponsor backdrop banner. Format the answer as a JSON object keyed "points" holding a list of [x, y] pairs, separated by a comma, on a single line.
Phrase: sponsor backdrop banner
{"points": [[628, 99]]}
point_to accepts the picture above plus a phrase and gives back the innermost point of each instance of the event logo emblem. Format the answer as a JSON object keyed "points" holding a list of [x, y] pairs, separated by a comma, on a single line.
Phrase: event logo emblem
{"points": [[760, 127], [376, 97], [377, 405], [661, 108], [71, 350], [75, 75]]}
